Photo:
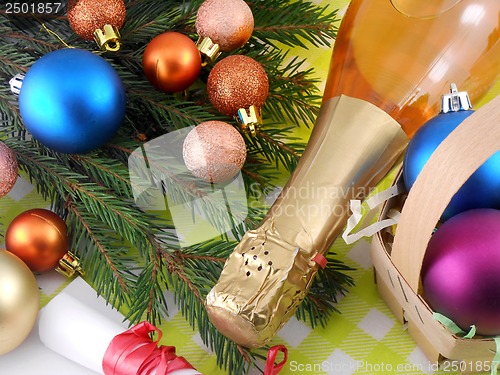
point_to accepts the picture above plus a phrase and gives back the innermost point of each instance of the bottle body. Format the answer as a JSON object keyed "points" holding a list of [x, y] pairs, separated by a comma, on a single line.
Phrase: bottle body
{"points": [[404, 62]]}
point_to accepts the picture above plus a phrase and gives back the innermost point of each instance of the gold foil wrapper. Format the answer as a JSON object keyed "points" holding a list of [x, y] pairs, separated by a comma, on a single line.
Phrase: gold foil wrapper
{"points": [[353, 145]]}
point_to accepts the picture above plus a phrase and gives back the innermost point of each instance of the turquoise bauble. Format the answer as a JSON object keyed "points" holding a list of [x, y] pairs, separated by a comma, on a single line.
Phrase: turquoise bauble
{"points": [[72, 101], [482, 189]]}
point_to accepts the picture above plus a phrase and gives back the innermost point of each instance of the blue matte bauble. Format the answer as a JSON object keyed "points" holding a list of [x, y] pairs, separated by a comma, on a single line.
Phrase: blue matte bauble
{"points": [[72, 101], [482, 189]]}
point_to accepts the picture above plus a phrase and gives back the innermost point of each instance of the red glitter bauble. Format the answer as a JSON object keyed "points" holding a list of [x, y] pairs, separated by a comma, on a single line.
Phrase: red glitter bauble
{"points": [[237, 82], [87, 16]]}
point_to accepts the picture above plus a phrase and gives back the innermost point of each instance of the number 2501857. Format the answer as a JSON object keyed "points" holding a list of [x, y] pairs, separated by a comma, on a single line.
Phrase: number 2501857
{"points": [[36, 7]]}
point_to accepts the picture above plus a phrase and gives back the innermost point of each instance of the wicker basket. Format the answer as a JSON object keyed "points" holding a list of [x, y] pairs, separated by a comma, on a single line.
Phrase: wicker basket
{"points": [[398, 260]]}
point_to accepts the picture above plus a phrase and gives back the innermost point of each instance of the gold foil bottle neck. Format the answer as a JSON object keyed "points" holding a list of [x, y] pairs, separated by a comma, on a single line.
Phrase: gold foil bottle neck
{"points": [[271, 270]]}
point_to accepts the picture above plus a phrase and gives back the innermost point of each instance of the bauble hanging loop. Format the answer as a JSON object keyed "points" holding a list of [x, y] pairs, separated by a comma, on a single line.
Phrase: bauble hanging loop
{"points": [[209, 50], [16, 83], [108, 39], [249, 120]]}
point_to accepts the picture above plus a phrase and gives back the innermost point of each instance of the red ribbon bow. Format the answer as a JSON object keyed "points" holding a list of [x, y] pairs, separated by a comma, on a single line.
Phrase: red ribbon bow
{"points": [[133, 352], [271, 368]]}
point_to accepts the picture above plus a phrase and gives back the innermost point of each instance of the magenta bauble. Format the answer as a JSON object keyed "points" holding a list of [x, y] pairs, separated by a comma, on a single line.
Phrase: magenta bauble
{"points": [[461, 270]]}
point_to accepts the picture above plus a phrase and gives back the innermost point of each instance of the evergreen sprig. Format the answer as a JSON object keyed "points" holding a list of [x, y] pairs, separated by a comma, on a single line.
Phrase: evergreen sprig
{"points": [[130, 256]]}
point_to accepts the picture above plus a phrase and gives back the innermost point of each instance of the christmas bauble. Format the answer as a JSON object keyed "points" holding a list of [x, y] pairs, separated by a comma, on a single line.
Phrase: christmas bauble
{"points": [[228, 23], [39, 237], [482, 189], [87, 16], [72, 101], [19, 301], [171, 62], [8, 169], [237, 82], [460, 273], [214, 151]]}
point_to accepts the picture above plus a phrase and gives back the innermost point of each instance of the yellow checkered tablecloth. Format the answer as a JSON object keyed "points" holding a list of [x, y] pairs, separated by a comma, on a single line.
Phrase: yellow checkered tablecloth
{"points": [[363, 339]]}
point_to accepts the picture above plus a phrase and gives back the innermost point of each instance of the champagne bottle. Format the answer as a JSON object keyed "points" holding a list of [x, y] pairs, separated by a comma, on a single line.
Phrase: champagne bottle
{"points": [[392, 61]]}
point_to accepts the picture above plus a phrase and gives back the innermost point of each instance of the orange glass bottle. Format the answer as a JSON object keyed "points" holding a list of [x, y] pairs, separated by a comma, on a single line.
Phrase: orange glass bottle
{"points": [[402, 55]]}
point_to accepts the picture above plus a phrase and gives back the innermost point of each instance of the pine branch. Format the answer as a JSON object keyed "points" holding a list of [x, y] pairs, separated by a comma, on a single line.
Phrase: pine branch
{"points": [[302, 106], [98, 253], [106, 172], [192, 288], [297, 23], [333, 282], [277, 146]]}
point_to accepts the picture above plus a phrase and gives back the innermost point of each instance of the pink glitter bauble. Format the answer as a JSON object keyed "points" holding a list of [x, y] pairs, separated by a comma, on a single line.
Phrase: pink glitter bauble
{"points": [[228, 23], [214, 151]]}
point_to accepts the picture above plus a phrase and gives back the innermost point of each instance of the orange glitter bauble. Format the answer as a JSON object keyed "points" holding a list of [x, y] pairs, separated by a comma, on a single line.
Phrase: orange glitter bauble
{"points": [[171, 62], [87, 16], [237, 82], [39, 238]]}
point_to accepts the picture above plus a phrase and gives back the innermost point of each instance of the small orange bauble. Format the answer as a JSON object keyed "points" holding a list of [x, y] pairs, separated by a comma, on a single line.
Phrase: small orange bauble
{"points": [[39, 237], [171, 62]]}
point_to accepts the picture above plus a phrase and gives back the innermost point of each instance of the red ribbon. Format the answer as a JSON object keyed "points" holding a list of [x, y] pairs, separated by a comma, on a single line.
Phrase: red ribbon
{"points": [[321, 260], [134, 353], [271, 368]]}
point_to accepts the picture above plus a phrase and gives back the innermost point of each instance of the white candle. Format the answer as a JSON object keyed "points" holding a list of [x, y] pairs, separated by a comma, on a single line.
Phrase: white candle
{"points": [[79, 333]]}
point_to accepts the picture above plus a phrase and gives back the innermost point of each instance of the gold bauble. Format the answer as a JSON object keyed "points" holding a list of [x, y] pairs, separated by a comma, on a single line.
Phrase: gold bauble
{"points": [[19, 301]]}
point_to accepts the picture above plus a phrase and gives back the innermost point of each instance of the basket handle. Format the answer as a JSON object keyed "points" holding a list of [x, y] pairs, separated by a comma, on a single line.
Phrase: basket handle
{"points": [[453, 162]]}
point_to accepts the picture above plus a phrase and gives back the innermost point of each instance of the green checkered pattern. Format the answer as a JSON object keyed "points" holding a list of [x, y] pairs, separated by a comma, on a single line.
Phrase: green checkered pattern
{"points": [[363, 339]]}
